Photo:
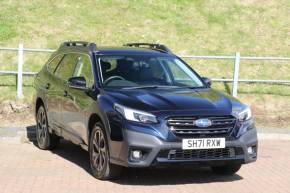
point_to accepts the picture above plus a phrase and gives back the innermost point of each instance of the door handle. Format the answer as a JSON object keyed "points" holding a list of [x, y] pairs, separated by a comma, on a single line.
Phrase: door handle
{"points": [[47, 86]]}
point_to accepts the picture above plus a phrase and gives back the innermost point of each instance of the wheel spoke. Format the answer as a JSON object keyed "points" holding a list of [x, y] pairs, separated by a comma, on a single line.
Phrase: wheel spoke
{"points": [[38, 119], [39, 127], [95, 158], [100, 162], [99, 139], [40, 137], [43, 132], [95, 147], [96, 139], [43, 119]]}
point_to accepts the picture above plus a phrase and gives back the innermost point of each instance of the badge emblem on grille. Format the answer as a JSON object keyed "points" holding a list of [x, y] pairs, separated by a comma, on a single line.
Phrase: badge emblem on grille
{"points": [[202, 122]]}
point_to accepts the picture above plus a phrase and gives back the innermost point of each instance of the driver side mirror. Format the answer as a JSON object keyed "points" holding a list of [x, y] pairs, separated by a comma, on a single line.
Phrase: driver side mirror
{"points": [[78, 82], [207, 81]]}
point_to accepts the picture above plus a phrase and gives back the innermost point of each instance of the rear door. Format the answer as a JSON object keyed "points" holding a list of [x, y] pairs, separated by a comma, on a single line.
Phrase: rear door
{"points": [[63, 73], [76, 104], [53, 92]]}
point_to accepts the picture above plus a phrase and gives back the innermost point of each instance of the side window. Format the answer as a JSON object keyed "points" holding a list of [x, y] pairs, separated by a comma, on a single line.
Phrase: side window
{"points": [[66, 67], [53, 64], [84, 68]]}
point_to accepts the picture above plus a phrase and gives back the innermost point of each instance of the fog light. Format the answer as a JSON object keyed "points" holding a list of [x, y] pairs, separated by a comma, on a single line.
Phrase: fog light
{"points": [[136, 154], [250, 150]]}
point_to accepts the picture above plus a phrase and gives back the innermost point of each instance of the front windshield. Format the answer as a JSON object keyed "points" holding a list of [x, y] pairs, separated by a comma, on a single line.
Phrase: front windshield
{"points": [[146, 70]]}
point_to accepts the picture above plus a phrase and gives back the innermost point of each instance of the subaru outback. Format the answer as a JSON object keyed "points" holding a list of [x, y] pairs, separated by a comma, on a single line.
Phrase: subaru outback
{"points": [[139, 105]]}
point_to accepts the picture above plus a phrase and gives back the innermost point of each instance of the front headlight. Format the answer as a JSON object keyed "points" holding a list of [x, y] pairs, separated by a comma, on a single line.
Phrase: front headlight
{"points": [[135, 115], [243, 114]]}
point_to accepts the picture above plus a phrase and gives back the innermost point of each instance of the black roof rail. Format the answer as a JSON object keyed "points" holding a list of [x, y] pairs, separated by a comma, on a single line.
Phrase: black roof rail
{"points": [[159, 47], [91, 46]]}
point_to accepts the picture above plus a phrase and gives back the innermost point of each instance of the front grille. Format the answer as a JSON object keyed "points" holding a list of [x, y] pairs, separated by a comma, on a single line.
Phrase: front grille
{"points": [[201, 154], [184, 126]]}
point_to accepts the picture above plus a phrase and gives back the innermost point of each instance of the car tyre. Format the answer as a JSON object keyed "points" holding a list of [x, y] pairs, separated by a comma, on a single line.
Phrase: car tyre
{"points": [[228, 169], [100, 164], [45, 140]]}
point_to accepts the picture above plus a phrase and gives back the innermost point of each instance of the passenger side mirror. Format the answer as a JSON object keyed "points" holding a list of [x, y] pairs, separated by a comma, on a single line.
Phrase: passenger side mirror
{"points": [[78, 82], [207, 81]]}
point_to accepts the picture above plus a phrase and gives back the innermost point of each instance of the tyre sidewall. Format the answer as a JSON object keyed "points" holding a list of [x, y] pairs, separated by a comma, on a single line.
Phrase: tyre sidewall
{"points": [[105, 171], [46, 142]]}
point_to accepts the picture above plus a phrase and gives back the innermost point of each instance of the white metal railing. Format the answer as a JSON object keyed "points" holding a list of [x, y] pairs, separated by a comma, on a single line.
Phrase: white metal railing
{"points": [[235, 80]]}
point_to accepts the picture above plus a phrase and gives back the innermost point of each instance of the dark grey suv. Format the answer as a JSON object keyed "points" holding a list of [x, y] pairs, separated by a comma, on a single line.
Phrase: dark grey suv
{"points": [[139, 106]]}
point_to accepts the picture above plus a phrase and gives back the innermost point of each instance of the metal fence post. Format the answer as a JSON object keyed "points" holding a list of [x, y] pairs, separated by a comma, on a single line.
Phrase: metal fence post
{"points": [[20, 71], [236, 74]]}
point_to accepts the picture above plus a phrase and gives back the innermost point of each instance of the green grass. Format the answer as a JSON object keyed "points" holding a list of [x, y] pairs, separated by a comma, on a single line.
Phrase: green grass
{"points": [[191, 27], [188, 27]]}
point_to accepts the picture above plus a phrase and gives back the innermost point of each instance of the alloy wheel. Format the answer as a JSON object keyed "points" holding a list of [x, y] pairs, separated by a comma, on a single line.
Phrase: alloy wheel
{"points": [[99, 151], [41, 126]]}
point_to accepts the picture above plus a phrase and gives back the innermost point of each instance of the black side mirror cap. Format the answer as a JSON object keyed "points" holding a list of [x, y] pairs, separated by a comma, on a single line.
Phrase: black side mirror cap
{"points": [[207, 81], [78, 82]]}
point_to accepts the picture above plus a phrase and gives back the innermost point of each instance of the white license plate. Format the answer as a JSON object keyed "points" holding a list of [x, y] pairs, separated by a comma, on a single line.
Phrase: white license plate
{"points": [[203, 143]]}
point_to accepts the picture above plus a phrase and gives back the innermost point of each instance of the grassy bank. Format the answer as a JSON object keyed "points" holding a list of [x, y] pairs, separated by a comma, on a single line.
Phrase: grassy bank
{"points": [[251, 27]]}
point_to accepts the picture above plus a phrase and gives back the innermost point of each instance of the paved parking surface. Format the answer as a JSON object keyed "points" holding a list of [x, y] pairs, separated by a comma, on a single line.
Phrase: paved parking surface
{"points": [[25, 168]]}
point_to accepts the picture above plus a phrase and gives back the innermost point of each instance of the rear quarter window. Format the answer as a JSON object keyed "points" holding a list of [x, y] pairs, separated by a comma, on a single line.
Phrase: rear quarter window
{"points": [[52, 65]]}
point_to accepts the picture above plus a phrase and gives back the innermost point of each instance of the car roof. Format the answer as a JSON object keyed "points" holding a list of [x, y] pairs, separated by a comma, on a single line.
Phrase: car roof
{"points": [[129, 51]]}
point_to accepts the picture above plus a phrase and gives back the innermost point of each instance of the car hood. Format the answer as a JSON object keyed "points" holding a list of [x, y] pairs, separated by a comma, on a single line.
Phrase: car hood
{"points": [[151, 100]]}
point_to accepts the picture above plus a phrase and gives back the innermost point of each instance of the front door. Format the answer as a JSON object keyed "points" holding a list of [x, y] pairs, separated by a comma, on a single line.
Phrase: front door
{"points": [[76, 103], [63, 73]]}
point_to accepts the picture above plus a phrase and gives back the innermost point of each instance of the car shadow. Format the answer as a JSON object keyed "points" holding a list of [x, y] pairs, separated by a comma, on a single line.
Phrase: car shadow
{"points": [[31, 134], [172, 176], [141, 177], [66, 150]]}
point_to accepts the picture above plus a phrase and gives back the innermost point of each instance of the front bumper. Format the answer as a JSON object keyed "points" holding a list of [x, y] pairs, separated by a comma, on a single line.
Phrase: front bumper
{"points": [[153, 149]]}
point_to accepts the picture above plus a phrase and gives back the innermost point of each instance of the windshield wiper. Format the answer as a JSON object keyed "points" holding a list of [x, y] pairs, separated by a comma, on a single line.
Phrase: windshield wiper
{"points": [[149, 86]]}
